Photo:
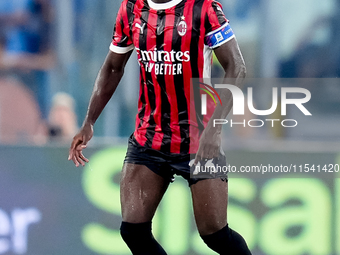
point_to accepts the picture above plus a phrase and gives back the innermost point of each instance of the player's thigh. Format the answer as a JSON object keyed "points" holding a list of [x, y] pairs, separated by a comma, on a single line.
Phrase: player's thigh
{"points": [[210, 200], [141, 190]]}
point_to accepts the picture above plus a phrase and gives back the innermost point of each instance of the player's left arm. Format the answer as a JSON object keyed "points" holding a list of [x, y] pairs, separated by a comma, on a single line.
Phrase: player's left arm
{"points": [[231, 59]]}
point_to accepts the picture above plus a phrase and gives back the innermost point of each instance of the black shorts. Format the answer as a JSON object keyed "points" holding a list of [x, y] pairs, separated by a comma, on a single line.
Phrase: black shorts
{"points": [[168, 165]]}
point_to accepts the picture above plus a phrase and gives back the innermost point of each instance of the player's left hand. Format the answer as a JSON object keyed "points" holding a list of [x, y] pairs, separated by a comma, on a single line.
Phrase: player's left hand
{"points": [[209, 145]]}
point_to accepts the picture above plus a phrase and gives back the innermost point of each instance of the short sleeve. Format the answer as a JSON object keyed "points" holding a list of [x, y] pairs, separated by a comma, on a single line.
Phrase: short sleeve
{"points": [[122, 35], [218, 30]]}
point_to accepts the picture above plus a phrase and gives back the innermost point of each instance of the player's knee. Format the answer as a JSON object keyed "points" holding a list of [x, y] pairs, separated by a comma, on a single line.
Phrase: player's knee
{"points": [[226, 241], [207, 228], [139, 239], [134, 232]]}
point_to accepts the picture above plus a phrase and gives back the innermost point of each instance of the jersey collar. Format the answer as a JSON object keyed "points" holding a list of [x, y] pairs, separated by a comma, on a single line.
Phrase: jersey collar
{"points": [[163, 6]]}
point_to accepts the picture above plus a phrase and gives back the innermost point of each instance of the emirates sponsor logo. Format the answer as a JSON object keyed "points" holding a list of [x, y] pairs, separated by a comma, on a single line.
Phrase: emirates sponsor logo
{"points": [[163, 62], [164, 56]]}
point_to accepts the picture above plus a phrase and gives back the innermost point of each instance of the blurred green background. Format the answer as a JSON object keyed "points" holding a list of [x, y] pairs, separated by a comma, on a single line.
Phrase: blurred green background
{"points": [[50, 207], [50, 53]]}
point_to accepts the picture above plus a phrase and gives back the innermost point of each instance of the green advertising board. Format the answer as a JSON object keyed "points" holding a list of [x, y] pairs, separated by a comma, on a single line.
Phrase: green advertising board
{"points": [[47, 206]]}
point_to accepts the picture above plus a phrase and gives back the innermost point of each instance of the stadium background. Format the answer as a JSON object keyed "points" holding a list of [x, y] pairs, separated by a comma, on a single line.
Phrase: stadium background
{"points": [[47, 206]]}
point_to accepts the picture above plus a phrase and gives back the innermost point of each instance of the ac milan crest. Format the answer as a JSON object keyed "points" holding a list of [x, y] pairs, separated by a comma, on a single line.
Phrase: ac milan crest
{"points": [[182, 27]]}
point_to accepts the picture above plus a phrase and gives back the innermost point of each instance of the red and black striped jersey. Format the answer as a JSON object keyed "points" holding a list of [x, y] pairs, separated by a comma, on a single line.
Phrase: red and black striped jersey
{"points": [[174, 43]]}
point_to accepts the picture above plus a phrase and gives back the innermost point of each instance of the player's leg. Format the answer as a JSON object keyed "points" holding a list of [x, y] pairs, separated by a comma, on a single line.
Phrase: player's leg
{"points": [[210, 199], [141, 192]]}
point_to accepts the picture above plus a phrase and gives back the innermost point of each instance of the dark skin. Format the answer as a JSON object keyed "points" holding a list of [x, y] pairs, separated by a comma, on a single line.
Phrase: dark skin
{"points": [[142, 189]]}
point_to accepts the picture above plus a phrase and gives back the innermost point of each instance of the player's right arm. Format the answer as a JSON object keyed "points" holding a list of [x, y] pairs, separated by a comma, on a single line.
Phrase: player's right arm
{"points": [[106, 83]]}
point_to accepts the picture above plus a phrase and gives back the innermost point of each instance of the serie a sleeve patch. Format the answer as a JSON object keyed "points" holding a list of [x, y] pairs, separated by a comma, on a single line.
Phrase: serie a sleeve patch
{"points": [[219, 36]]}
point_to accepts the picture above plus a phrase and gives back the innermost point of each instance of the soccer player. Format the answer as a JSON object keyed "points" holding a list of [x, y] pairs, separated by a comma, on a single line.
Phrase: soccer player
{"points": [[174, 40]]}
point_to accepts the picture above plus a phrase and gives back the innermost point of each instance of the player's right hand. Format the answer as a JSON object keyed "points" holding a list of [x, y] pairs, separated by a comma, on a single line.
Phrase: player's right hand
{"points": [[79, 143]]}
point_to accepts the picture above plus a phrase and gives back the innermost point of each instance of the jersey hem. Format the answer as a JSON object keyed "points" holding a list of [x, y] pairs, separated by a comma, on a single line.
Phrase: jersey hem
{"points": [[121, 50]]}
